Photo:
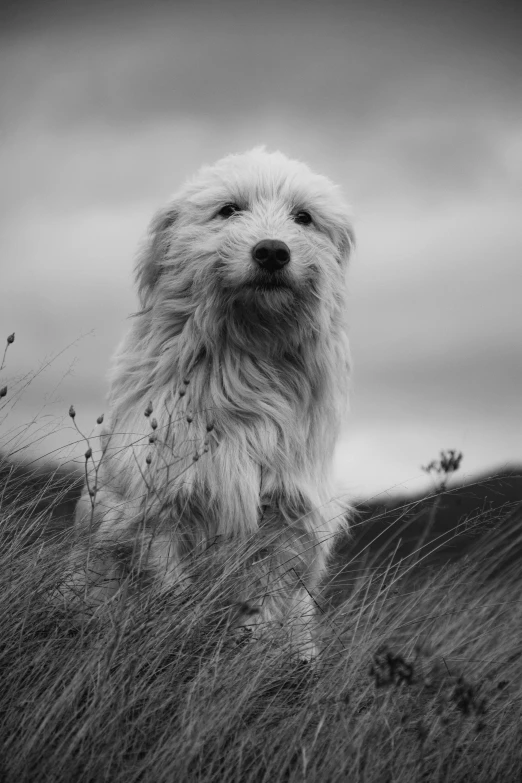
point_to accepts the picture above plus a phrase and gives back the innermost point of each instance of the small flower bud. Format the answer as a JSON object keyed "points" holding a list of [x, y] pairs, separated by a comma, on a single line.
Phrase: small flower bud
{"points": [[186, 381], [148, 459], [99, 420], [182, 392], [3, 391], [195, 457], [210, 427], [148, 410], [72, 412], [190, 419], [153, 424], [152, 439], [88, 453], [92, 493], [10, 339]]}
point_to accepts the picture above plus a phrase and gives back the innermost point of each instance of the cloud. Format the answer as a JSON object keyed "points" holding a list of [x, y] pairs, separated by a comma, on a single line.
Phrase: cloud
{"points": [[397, 101], [337, 59]]}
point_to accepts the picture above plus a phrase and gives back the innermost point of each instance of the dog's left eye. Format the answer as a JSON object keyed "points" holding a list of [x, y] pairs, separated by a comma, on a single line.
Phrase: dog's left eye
{"points": [[228, 210], [303, 218]]}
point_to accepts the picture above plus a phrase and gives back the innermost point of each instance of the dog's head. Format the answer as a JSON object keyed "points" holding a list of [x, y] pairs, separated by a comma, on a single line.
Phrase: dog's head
{"points": [[257, 231]]}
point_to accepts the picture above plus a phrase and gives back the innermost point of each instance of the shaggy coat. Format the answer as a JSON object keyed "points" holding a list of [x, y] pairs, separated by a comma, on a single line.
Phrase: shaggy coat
{"points": [[227, 395]]}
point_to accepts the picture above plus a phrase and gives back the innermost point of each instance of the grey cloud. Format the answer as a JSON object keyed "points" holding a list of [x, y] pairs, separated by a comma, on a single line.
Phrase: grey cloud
{"points": [[344, 63], [489, 381], [419, 106]]}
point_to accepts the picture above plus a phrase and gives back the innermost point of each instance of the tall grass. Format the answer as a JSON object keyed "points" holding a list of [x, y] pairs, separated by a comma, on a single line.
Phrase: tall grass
{"points": [[419, 678]]}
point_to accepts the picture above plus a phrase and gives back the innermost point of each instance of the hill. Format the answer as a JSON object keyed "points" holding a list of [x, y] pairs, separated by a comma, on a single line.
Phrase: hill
{"points": [[430, 531]]}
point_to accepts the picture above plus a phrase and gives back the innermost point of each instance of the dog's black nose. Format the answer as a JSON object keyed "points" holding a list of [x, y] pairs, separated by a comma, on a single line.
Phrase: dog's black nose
{"points": [[271, 254]]}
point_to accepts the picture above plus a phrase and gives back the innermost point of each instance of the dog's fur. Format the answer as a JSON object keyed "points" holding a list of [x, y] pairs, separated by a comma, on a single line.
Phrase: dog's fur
{"points": [[247, 381]]}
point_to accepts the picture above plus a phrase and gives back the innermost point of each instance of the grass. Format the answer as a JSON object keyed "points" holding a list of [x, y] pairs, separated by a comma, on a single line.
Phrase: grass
{"points": [[419, 678]]}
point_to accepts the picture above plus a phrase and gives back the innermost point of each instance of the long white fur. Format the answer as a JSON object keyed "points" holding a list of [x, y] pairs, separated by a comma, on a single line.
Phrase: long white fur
{"points": [[247, 383]]}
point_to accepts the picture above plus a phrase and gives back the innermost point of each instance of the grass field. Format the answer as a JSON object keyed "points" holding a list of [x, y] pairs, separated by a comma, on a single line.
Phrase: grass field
{"points": [[419, 679]]}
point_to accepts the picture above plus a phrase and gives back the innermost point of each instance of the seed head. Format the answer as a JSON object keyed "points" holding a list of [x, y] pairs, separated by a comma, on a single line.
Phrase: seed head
{"points": [[3, 391], [148, 459], [186, 381], [152, 438], [391, 669], [10, 339], [246, 608], [154, 424], [182, 392], [449, 462], [190, 419], [210, 427], [88, 453], [148, 410], [72, 412], [99, 420], [195, 457]]}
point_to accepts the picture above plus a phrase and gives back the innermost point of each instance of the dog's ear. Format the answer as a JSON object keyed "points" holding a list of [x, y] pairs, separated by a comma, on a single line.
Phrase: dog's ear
{"points": [[152, 254], [345, 239]]}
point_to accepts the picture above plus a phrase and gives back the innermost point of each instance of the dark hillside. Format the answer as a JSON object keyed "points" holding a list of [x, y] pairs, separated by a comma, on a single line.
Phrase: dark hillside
{"points": [[425, 532], [37, 500]]}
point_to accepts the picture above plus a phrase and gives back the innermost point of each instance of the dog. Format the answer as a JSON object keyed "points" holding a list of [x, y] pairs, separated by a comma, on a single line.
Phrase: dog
{"points": [[226, 398]]}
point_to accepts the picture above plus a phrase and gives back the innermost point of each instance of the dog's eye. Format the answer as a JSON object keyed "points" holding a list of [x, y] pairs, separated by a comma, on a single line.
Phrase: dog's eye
{"points": [[228, 210], [303, 218]]}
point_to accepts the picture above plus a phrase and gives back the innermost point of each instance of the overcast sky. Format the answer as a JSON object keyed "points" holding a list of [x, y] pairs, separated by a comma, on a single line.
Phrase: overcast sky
{"points": [[414, 108]]}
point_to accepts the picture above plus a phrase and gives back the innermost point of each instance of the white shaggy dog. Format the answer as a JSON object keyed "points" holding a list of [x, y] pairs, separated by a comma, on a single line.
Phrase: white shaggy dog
{"points": [[227, 395]]}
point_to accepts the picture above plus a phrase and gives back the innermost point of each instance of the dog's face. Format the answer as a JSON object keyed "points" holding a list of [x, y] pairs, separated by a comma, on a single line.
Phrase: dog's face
{"points": [[256, 230]]}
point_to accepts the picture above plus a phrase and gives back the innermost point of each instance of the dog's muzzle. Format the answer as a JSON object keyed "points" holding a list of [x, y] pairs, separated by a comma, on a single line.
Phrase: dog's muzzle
{"points": [[271, 254]]}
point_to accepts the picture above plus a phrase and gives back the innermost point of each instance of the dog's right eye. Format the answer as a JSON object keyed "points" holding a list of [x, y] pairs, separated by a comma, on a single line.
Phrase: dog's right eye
{"points": [[228, 210]]}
